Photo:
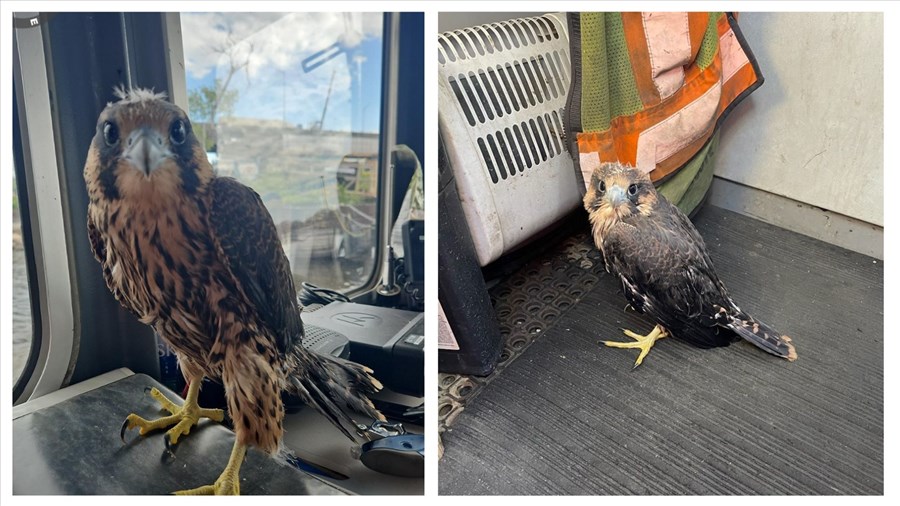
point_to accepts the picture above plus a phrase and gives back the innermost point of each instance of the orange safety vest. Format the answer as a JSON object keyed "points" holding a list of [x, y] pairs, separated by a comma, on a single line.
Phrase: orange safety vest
{"points": [[649, 89]]}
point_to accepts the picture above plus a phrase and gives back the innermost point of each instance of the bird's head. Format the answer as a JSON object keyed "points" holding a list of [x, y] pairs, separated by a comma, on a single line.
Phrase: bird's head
{"points": [[618, 191], [144, 147]]}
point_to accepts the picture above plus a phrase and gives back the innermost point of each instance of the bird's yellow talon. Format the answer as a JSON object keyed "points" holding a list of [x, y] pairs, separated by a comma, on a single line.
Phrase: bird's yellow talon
{"points": [[216, 415], [229, 482], [181, 420], [643, 343], [633, 335], [164, 401]]}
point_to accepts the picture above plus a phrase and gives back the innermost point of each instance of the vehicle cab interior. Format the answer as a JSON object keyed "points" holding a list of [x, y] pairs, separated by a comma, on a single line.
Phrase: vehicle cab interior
{"points": [[531, 400], [319, 113]]}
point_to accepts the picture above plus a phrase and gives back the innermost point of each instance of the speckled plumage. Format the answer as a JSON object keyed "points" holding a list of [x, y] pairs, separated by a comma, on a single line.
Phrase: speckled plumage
{"points": [[663, 265], [198, 258]]}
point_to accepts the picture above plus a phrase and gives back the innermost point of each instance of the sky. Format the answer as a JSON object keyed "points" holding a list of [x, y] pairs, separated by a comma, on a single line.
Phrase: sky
{"points": [[275, 84]]}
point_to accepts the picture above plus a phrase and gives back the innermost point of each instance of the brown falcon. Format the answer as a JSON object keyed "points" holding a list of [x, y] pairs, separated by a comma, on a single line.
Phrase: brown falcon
{"points": [[197, 257], [664, 268]]}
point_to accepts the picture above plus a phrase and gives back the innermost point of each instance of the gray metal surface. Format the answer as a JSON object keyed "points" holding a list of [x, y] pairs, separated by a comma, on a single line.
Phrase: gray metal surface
{"points": [[73, 447], [571, 417]]}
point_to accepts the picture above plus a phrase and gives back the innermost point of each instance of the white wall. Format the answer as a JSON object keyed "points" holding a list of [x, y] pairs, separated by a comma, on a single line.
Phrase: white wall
{"points": [[814, 131]]}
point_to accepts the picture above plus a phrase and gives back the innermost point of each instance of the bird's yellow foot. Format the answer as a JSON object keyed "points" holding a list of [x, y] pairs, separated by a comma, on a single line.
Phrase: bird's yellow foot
{"points": [[229, 482], [182, 417], [644, 343]]}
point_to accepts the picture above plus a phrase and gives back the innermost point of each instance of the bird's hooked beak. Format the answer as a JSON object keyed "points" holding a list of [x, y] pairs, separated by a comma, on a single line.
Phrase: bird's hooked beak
{"points": [[616, 196], [146, 149]]}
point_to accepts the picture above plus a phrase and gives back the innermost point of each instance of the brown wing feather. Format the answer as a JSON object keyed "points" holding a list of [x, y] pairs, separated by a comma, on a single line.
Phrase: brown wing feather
{"points": [[666, 272], [98, 248], [246, 236]]}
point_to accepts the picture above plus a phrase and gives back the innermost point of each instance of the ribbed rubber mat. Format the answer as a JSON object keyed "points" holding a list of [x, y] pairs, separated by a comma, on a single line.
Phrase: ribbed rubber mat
{"points": [[527, 303], [570, 416]]}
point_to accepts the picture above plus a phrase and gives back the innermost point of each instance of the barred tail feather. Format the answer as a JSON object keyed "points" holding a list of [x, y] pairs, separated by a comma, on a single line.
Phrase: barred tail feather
{"points": [[333, 386], [761, 335]]}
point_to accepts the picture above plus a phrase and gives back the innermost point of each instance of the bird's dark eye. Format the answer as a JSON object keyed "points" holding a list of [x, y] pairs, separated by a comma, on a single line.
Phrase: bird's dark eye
{"points": [[178, 133], [110, 133], [632, 189], [602, 187]]}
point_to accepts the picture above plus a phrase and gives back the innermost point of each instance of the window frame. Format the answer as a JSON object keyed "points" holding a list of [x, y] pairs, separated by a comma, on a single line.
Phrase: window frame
{"points": [[74, 61], [28, 245], [46, 252], [390, 37]]}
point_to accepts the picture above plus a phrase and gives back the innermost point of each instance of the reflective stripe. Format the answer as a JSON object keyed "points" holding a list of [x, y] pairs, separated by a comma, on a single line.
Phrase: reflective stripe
{"points": [[732, 54], [669, 44], [689, 97], [665, 138], [588, 162]]}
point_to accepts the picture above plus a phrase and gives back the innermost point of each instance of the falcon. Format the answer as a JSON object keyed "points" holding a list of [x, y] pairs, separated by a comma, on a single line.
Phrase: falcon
{"points": [[664, 268], [197, 257]]}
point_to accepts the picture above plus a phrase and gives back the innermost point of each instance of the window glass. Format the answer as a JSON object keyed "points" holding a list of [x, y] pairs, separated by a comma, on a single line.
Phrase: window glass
{"points": [[290, 104], [22, 324]]}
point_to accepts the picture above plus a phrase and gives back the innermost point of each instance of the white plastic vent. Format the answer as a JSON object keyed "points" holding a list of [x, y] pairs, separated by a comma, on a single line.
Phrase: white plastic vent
{"points": [[503, 89]]}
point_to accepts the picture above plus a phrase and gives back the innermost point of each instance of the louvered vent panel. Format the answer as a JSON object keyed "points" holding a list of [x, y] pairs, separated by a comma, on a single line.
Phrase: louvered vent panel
{"points": [[503, 94]]}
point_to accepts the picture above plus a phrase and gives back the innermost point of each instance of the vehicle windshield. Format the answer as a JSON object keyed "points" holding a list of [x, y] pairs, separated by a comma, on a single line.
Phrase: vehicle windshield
{"points": [[290, 104]]}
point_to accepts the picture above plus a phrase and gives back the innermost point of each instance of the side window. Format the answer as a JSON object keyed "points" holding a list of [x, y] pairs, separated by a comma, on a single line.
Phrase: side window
{"points": [[23, 329], [290, 104]]}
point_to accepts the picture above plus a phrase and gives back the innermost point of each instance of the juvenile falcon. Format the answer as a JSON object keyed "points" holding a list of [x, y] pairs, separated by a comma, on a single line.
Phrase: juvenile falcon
{"points": [[198, 258], [664, 268]]}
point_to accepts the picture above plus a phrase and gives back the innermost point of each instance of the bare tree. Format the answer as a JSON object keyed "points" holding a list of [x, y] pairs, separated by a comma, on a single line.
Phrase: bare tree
{"points": [[207, 102]]}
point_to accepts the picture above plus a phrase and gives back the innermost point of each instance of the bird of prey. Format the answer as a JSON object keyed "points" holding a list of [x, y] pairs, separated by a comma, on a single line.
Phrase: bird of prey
{"points": [[198, 258], [664, 268]]}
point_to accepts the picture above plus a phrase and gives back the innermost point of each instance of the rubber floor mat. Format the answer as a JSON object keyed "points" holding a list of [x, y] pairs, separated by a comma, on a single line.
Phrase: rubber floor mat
{"points": [[570, 416]]}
